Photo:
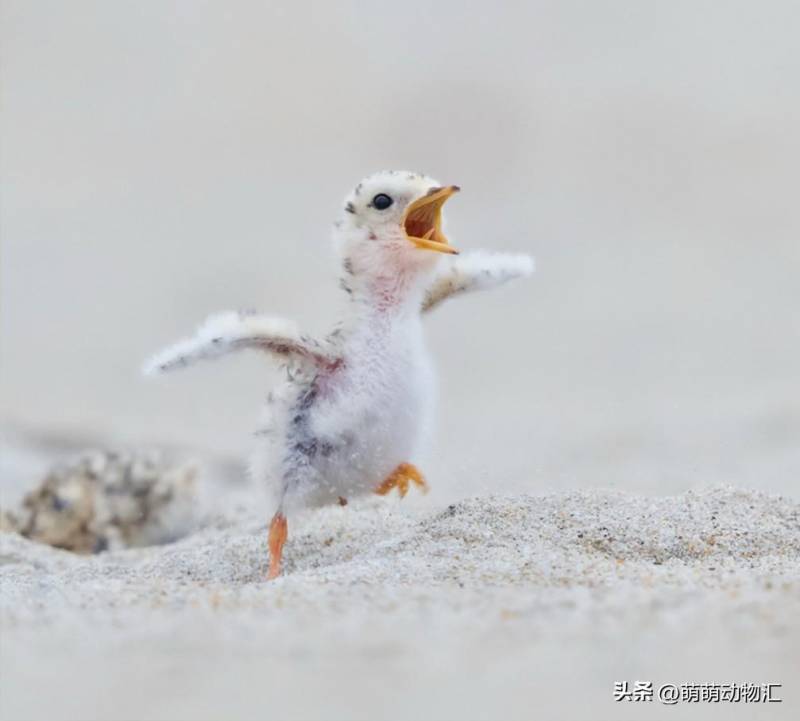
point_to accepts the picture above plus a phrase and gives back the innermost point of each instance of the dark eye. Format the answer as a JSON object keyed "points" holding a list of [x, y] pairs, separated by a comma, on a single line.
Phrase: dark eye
{"points": [[381, 201]]}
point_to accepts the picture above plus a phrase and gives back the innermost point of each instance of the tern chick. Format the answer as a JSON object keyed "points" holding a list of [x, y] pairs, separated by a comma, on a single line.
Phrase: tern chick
{"points": [[355, 406], [107, 500]]}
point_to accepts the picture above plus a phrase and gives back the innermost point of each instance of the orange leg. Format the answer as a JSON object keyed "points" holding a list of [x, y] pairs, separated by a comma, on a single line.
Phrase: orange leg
{"points": [[400, 478], [278, 530]]}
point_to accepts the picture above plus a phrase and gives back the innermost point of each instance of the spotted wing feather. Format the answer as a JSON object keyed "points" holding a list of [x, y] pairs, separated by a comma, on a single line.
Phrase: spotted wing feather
{"points": [[476, 271], [228, 332]]}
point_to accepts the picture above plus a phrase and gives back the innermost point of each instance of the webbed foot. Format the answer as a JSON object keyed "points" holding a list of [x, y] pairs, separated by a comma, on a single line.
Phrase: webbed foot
{"points": [[400, 478]]}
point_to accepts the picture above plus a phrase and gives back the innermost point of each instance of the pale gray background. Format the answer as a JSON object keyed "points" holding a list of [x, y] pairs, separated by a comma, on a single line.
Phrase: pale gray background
{"points": [[161, 161]]}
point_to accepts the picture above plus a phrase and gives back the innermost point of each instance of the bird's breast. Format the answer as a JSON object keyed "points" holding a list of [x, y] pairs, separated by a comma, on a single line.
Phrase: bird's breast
{"points": [[380, 398]]}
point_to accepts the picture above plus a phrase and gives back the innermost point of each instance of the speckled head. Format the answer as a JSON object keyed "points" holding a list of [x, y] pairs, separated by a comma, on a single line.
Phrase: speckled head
{"points": [[394, 216]]}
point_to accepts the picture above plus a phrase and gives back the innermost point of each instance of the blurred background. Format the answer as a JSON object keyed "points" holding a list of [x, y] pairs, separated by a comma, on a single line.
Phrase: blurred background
{"points": [[161, 161]]}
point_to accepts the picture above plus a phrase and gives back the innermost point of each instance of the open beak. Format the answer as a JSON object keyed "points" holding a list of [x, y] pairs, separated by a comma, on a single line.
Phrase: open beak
{"points": [[423, 220]]}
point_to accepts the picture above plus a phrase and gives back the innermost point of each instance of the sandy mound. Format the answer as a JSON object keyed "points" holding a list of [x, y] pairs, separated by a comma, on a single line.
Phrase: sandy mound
{"points": [[524, 595]]}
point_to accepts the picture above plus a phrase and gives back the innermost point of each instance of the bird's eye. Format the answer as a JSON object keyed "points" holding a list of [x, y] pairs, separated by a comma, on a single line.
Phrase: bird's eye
{"points": [[381, 201]]}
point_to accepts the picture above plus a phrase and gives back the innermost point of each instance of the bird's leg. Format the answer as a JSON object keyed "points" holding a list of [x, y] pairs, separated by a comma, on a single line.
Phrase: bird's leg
{"points": [[278, 530], [400, 477]]}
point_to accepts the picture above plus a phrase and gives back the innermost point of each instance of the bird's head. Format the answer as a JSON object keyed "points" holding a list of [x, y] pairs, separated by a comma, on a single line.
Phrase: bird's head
{"points": [[392, 222]]}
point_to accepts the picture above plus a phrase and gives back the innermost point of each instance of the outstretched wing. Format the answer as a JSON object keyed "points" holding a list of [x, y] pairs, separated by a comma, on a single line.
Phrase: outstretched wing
{"points": [[476, 271], [228, 332]]}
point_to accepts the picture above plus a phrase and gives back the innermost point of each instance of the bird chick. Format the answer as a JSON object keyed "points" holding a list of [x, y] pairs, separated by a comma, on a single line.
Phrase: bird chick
{"points": [[355, 406], [108, 501]]}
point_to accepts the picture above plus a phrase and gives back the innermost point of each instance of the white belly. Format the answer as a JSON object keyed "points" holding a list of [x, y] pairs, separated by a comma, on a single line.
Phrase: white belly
{"points": [[366, 418], [377, 415]]}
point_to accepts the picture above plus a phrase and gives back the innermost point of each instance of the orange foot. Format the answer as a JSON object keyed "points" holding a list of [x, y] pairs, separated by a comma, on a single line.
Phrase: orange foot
{"points": [[278, 530], [400, 477]]}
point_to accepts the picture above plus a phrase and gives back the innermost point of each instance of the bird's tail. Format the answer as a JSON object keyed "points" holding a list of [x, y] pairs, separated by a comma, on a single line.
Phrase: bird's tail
{"points": [[217, 336]]}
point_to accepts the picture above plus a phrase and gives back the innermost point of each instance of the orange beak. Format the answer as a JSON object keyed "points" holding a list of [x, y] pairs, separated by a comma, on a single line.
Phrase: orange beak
{"points": [[422, 220]]}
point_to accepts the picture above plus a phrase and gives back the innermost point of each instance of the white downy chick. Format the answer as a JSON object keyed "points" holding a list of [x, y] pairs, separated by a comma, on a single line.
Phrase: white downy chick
{"points": [[355, 406]]}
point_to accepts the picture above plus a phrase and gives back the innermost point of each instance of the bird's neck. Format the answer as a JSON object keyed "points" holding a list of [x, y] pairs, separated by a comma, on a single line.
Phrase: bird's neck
{"points": [[390, 296]]}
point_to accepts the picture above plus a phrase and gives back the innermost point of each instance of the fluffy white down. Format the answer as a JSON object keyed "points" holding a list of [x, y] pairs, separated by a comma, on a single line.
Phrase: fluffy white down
{"points": [[372, 415], [476, 270], [216, 336], [359, 403], [492, 269]]}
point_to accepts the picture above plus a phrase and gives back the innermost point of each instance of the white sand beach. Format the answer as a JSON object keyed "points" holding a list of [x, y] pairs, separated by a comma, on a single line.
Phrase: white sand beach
{"points": [[492, 607]]}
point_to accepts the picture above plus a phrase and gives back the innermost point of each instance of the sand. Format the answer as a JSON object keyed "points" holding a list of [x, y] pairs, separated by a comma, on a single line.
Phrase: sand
{"points": [[160, 165], [512, 607]]}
